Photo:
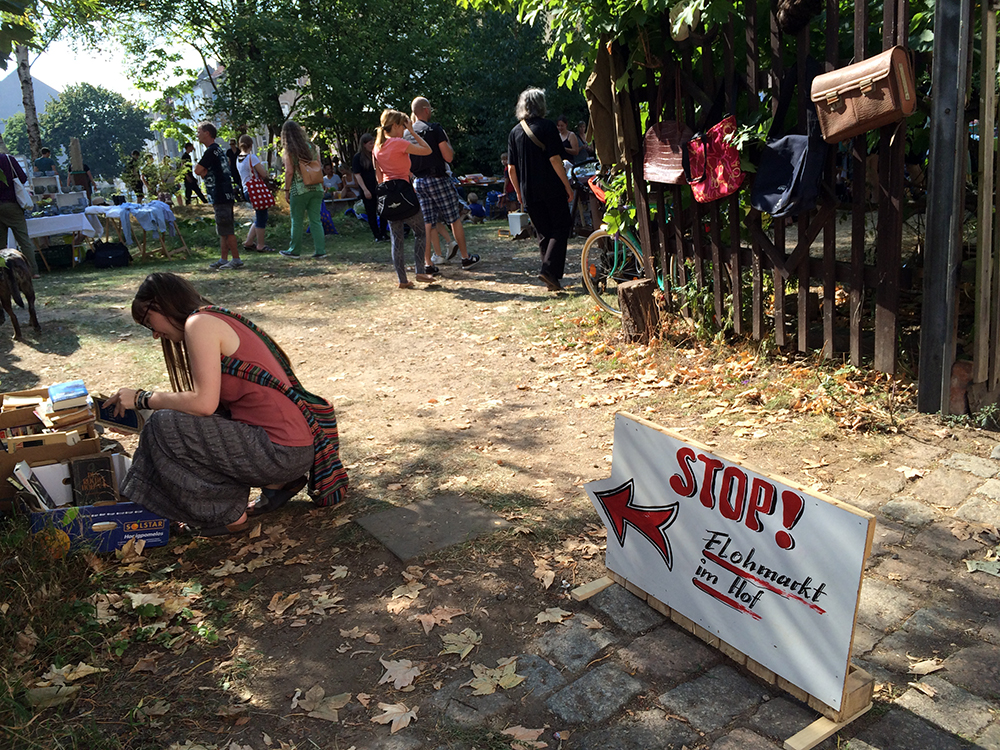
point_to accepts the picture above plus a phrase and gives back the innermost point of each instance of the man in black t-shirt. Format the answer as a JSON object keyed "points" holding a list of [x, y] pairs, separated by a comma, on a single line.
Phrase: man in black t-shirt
{"points": [[214, 169], [539, 179], [434, 188]]}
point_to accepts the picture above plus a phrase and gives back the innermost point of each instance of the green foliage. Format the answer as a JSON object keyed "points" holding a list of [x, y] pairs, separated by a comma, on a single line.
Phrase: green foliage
{"points": [[470, 63], [15, 134], [105, 122]]}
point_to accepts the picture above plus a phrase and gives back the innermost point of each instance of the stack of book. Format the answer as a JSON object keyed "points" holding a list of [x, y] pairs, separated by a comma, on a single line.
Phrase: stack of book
{"points": [[68, 406]]}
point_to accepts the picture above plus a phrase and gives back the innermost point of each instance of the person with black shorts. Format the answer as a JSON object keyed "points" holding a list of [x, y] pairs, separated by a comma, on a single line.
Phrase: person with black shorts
{"points": [[214, 169]]}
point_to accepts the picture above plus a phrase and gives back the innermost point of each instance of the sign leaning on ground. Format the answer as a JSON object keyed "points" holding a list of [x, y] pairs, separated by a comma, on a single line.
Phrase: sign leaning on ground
{"points": [[771, 569]]}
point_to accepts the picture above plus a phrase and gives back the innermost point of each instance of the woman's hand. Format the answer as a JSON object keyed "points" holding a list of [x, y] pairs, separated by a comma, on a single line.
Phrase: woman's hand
{"points": [[123, 400]]}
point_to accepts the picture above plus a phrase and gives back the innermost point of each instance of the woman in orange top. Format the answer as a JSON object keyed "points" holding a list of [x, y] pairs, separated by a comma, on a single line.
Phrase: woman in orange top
{"points": [[392, 162]]}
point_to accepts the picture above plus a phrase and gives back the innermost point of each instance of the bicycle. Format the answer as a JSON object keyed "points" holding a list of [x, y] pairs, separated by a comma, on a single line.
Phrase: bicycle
{"points": [[609, 260]]}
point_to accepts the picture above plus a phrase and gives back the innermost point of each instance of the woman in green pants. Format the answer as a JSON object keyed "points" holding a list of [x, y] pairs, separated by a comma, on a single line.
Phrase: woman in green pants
{"points": [[303, 200]]}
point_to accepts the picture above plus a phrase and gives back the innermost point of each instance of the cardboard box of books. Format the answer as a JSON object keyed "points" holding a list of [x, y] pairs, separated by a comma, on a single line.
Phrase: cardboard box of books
{"points": [[31, 431], [99, 520]]}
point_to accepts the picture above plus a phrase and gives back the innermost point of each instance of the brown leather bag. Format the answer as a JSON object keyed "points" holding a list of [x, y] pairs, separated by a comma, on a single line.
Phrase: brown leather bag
{"points": [[865, 96], [663, 152]]}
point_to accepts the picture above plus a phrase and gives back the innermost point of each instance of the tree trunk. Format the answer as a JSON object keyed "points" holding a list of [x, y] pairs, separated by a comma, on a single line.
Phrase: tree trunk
{"points": [[28, 98], [640, 315]]}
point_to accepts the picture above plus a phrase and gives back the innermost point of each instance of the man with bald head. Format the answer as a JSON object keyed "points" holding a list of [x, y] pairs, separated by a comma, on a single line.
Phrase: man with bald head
{"points": [[438, 200]]}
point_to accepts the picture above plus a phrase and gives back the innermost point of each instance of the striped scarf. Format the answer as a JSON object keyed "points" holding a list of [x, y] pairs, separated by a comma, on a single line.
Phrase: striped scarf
{"points": [[328, 478]]}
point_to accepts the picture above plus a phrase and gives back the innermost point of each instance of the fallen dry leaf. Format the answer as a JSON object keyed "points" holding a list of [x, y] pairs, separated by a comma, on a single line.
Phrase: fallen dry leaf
{"points": [[926, 666], [45, 697], [139, 598], [461, 643], [910, 473], [278, 606], [364, 699], [409, 590], [552, 614], [524, 738], [925, 689], [438, 616], [400, 673], [487, 680], [398, 714]]}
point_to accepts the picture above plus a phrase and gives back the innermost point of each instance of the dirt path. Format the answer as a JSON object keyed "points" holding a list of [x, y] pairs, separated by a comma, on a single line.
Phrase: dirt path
{"points": [[484, 385]]}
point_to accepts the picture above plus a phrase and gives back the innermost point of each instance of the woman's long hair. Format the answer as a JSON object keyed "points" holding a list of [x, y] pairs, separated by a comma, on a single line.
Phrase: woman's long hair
{"points": [[364, 154], [390, 119], [294, 142], [175, 298]]}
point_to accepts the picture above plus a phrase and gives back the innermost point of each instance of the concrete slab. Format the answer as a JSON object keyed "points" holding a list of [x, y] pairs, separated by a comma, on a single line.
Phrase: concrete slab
{"points": [[595, 697], [668, 654], [980, 509], [571, 645], [636, 737], [910, 512], [430, 525], [952, 708], [990, 739], [781, 718], [627, 611], [744, 739], [981, 467], [902, 730], [469, 710], [946, 487], [646, 730], [990, 488], [883, 606], [712, 700], [541, 679], [939, 540], [976, 668]]}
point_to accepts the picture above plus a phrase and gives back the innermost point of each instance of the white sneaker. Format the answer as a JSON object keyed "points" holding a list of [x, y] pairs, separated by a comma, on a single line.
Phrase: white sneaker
{"points": [[435, 259]]}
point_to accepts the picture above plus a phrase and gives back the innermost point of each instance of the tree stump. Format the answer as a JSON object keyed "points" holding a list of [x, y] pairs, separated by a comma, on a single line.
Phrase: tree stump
{"points": [[640, 314]]}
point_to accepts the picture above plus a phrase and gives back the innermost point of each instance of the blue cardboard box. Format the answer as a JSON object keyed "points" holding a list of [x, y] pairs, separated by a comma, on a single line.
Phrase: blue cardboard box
{"points": [[105, 528]]}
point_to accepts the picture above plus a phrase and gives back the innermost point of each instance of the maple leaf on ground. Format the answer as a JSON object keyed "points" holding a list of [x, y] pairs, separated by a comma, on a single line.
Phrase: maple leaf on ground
{"points": [[354, 632], [339, 571], [487, 680], [438, 616], [159, 708], [544, 574], [552, 614], [461, 643], [227, 568], [139, 598], [131, 551], [278, 606], [364, 699], [69, 673], [410, 590], [398, 714], [524, 738], [400, 673]]}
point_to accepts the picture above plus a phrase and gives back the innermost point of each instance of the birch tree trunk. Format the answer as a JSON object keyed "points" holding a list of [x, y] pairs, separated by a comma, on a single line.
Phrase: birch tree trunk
{"points": [[28, 97]]}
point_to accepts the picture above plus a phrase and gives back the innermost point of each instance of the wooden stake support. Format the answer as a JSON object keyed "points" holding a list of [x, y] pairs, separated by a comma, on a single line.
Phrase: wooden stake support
{"points": [[858, 690]]}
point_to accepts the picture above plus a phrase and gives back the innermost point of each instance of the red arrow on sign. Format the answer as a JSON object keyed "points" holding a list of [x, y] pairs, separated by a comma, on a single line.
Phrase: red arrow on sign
{"points": [[651, 522]]}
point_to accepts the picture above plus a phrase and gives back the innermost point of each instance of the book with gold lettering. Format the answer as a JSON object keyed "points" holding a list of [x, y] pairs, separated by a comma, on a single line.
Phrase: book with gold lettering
{"points": [[93, 479]]}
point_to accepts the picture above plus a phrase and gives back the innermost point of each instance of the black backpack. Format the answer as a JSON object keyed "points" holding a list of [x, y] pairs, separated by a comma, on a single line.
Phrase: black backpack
{"points": [[111, 255]]}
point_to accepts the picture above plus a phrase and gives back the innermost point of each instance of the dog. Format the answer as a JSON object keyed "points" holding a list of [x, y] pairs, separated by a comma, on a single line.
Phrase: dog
{"points": [[15, 280]]}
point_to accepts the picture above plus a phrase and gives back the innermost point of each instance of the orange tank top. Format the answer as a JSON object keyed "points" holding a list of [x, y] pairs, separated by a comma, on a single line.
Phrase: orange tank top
{"points": [[256, 405]]}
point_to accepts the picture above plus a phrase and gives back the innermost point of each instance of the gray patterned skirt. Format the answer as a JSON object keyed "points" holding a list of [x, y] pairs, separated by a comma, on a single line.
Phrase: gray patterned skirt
{"points": [[199, 470]]}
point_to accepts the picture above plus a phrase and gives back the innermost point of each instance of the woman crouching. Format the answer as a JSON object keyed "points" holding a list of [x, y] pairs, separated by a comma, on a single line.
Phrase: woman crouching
{"points": [[237, 418]]}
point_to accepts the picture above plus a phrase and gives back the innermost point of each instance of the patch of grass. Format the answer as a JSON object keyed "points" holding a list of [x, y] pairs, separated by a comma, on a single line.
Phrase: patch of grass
{"points": [[480, 738]]}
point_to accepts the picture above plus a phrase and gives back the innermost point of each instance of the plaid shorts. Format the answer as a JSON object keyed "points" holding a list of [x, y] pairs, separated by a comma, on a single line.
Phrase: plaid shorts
{"points": [[438, 199]]}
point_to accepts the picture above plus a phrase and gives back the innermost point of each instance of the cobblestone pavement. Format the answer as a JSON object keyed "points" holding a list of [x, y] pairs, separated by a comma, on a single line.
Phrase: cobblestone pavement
{"points": [[640, 682]]}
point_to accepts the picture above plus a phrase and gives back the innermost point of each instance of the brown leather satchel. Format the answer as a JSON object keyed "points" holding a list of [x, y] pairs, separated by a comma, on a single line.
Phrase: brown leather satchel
{"points": [[663, 152], [864, 96]]}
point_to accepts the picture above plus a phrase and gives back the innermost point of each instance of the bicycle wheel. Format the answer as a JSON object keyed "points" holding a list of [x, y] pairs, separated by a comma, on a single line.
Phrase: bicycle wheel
{"points": [[606, 262]]}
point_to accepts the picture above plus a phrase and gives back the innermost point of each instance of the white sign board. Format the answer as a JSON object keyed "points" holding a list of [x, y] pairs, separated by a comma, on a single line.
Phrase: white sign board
{"points": [[770, 569]]}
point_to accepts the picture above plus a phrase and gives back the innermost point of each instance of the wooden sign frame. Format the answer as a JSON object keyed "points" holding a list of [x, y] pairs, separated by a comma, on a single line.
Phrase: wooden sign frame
{"points": [[655, 485]]}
